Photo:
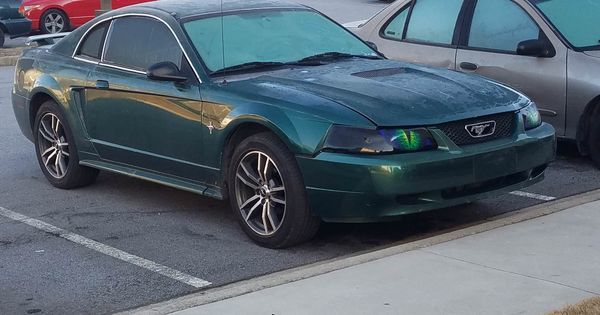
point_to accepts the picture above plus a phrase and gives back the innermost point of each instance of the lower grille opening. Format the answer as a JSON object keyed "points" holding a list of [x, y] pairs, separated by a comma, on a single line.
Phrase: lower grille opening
{"points": [[485, 186]]}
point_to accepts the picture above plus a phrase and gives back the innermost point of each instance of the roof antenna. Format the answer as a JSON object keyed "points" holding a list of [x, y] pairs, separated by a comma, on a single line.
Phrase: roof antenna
{"points": [[222, 34]]}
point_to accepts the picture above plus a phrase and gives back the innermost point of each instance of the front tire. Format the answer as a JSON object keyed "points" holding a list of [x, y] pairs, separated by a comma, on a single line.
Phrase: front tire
{"points": [[56, 151], [54, 21], [267, 193]]}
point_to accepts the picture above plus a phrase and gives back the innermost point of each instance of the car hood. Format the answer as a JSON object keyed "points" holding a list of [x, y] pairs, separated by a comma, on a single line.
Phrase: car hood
{"points": [[388, 93]]}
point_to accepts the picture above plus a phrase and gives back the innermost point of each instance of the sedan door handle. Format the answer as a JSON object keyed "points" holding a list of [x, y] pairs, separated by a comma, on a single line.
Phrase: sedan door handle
{"points": [[468, 66], [102, 84]]}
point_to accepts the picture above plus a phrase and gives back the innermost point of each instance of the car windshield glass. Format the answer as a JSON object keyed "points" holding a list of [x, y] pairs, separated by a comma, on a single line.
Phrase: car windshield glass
{"points": [[260, 38], [577, 20]]}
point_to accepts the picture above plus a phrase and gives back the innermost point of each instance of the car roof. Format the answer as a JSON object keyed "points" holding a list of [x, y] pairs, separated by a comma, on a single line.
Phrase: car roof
{"points": [[188, 8]]}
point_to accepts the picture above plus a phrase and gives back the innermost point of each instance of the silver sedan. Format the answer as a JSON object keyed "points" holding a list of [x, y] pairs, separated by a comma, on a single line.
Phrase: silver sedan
{"points": [[548, 49]]}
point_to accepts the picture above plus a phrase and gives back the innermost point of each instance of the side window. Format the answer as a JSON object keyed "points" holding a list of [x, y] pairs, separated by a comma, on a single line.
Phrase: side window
{"points": [[91, 46], [395, 28], [433, 21], [140, 42], [501, 25]]}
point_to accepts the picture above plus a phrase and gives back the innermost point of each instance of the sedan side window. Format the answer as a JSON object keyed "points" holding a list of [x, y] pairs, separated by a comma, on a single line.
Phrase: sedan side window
{"points": [[139, 42], [501, 25], [433, 21], [395, 28], [91, 47]]}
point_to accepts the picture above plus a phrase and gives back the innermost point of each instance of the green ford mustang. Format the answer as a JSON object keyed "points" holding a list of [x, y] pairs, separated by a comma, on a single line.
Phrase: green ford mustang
{"points": [[275, 107]]}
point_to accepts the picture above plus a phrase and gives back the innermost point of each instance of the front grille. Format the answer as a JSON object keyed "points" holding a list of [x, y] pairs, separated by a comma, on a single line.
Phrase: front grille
{"points": [[455, 130]]}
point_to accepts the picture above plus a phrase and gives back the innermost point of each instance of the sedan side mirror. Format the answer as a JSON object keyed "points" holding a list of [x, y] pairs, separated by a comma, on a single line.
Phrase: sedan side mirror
{"points": [[373, 46], [535, 48], [165, 71]]}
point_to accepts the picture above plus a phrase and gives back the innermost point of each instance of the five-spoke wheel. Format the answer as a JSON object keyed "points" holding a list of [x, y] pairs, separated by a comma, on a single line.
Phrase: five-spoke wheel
{"points": [[56, 150], [53, 21], [260, 193], [53, 145], [267, 193]]}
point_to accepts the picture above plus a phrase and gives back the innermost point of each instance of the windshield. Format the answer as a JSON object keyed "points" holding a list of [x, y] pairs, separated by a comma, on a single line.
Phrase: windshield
{"points": [[269, 37], [577, 20]]}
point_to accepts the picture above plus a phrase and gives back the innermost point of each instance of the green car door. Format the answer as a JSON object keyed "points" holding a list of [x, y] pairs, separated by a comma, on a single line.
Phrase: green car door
{"points": [[132, 119]]}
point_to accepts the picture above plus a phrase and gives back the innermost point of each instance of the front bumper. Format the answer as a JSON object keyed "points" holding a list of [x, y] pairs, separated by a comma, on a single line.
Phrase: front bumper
{"points": [[353, 188]]}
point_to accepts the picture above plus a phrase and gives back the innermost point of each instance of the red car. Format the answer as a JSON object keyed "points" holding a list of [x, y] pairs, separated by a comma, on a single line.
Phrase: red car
{"points": [[55, 16]]}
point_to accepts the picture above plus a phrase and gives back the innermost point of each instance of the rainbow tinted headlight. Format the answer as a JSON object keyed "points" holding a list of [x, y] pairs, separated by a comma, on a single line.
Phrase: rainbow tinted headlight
{"points": [[531, 116], [378, 141]]}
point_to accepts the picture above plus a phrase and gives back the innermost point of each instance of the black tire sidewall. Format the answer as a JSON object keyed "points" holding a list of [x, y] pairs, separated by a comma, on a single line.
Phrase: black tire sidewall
{"points": [[62, 14], [2, 38], [296, 200], [594, 139], [52, 107]]}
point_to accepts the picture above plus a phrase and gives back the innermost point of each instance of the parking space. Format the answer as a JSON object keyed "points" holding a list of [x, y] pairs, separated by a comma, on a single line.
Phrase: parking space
{"points": [[123, 242]]}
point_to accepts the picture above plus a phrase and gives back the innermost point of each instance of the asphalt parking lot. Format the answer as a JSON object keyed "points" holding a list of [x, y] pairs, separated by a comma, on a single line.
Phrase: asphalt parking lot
{"points": [[197, 237]]}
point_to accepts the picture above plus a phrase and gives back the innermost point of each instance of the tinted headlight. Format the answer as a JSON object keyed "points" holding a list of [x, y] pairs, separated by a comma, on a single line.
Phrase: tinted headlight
{"points": [[374, 141], [531, 116]]}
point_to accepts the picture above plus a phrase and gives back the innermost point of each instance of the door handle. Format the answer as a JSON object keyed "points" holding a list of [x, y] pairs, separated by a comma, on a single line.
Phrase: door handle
{"points": [[102, 84], [468, 66]]}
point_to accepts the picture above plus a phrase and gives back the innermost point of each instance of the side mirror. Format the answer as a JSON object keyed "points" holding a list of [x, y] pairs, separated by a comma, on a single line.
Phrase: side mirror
{"points": [[165, 71], [535, 48], [373, 46]]}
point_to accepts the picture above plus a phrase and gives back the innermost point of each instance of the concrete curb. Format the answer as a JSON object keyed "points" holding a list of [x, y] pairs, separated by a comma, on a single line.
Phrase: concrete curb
{"points": [[8, 61], [299, 273], [12, 55]]}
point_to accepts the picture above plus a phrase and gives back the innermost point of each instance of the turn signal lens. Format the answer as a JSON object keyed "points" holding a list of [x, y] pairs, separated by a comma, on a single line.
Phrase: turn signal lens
{"points": [[531, 116]]}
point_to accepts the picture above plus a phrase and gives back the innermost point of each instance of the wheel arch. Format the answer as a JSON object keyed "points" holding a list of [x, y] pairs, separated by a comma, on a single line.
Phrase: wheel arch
{"points": [[3, 27], [242, 129], [38, 97], [591, 109]]}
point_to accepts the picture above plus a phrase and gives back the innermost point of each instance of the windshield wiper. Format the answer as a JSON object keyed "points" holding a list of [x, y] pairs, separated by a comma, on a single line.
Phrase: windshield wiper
{"points": [[334, 55], [254, 65]]}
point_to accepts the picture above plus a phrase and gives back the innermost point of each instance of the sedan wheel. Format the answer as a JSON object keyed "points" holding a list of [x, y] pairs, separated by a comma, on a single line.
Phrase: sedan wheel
{"points": [[267, 193], [54, 22], [260, 193]]}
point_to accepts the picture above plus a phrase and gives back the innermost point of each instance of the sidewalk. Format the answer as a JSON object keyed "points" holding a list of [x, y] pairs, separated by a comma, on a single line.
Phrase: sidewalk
{"points": [[530, 267]]}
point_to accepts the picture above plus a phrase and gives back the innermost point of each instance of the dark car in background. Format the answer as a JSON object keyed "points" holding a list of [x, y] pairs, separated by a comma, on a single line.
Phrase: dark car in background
{"points": [[12, 23]]}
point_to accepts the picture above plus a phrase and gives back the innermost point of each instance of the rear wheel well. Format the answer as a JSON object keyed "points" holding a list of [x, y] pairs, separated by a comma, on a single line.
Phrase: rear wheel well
{"points": [[238, 135], [591, 110], [34, 106]]}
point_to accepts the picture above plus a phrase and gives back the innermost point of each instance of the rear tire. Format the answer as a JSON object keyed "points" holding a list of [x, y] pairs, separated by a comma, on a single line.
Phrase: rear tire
{"points": [[2, 38], [267, 193], [56, 150]]}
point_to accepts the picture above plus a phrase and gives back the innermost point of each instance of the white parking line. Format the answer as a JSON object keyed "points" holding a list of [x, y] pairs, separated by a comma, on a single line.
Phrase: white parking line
{"points": [[105, 249], [533, 196]]}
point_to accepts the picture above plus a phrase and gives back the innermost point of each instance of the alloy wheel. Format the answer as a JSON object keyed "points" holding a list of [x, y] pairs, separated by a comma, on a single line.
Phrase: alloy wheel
{"points": [[54, 23], [53, 146], [260, 193]]}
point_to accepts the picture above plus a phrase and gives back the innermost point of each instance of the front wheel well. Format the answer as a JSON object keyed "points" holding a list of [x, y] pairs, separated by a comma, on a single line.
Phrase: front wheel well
{"points": [[592, 109], [238, 135]]}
